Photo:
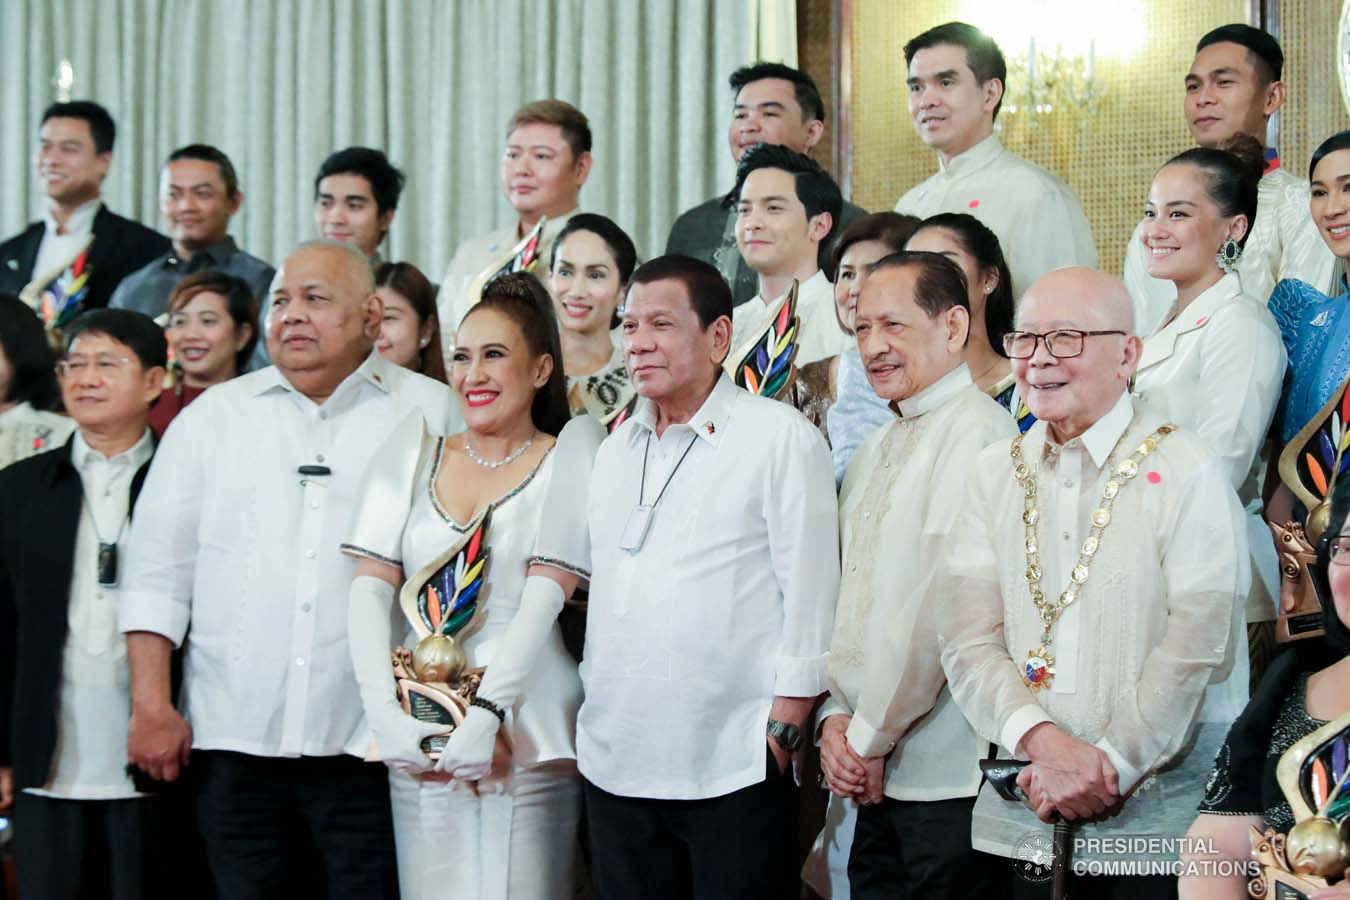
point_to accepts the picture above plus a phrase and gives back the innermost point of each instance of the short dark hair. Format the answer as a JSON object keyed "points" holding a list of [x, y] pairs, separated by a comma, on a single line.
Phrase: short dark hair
{"points": [[1262, 48], [525, 301], [705, 287], [207, 153], [616, 239], [803, 87], [979, 240], [136, 330], [31, 361], [386, 182], [572, 122], [240, 304], [890, 228], [815, 188], [941, 284], [1338, 141], [408, 281], [983, 56], [101, 126], [1233, 174]]}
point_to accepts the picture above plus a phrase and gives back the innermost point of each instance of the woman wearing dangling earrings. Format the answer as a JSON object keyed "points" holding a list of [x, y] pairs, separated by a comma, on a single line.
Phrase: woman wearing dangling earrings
{"points": [[1216, 364], [410, 331]]}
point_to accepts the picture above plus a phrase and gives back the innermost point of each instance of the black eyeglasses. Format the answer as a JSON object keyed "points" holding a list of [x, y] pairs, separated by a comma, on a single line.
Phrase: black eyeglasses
{"points": [[1062, 343]]}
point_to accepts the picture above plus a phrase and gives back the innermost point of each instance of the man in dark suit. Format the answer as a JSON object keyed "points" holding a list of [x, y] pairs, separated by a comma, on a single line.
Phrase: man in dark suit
{"points": [[74, 258], [81, 826], [774, 104]]}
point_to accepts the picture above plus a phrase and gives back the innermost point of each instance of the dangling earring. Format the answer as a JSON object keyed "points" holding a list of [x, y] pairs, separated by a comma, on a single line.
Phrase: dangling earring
{"points": [[1228, 256]]}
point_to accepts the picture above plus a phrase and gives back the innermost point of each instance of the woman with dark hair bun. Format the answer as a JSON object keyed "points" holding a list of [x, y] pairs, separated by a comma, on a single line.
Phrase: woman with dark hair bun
{"points": [[1216, 364], [28, 391], [493, 518], [592, 261], [1301, 692]]}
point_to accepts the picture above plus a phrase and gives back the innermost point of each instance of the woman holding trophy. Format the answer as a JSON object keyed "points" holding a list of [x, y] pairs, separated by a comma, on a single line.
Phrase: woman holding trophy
{"points": [[479, 538]]}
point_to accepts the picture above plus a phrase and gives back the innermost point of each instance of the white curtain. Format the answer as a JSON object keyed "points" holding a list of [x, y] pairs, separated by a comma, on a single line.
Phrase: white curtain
{"points": [[278, 84]]}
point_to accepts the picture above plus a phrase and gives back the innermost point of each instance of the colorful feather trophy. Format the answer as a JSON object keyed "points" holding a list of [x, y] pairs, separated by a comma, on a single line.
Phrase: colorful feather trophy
{"points": [[765, 366], [522, 258], [1322, 772], [447, 596], [1316, 457], [63, 298]]}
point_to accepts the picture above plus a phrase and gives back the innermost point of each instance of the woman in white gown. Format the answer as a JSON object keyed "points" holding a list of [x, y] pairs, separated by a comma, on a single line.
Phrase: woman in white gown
{"points": [[1216, 364], [496, 815]]}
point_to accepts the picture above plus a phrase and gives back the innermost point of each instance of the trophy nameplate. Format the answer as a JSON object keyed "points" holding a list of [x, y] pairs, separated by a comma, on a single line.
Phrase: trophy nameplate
{"points": [[1300, 615], [444, 602], [764, 364], [1312, 774]]}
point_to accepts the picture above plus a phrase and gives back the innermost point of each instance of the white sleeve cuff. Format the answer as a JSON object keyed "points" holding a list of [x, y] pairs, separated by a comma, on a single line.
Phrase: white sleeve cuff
{"points": [[1019, 723], [138, 611], [1127, 775], [800, 676], [867, 741]]}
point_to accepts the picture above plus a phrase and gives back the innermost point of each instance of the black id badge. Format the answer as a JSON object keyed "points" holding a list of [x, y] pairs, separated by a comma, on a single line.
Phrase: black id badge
{"points": [[107, 565]]}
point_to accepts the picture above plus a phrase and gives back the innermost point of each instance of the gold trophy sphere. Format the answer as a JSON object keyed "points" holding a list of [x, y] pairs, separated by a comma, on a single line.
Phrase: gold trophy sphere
{"points": [[1317, 846], [439, 659]]}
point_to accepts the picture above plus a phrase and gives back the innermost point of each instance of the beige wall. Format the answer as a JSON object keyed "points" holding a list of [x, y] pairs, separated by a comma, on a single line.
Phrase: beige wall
{"points": [[1110, 161], [1315, 109]]}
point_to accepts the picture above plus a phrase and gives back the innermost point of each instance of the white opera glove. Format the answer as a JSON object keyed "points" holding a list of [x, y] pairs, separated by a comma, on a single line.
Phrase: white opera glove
{"points": [[520, 644], [468, 754], [397, 735]]}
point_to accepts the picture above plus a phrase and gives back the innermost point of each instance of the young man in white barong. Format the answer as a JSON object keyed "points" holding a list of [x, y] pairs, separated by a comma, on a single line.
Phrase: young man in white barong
{"points": [[892, 739], [1097, 602]]}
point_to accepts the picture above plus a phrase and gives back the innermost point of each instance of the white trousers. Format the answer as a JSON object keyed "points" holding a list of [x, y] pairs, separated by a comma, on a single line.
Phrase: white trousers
{"points": [[511, 838]]}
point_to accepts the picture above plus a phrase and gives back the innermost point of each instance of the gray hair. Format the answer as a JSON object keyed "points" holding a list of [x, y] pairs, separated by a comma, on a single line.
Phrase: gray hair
{"points": [[361, 269]]}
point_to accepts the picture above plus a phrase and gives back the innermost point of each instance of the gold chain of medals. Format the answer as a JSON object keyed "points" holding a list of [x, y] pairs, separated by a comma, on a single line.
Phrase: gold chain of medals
{"points": [[1039, 669]]}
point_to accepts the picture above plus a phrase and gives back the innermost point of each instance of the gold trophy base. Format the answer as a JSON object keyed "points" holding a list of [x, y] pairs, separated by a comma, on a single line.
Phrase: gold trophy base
{"points": [[1276, 881], [434, 703], [1300, 610]]}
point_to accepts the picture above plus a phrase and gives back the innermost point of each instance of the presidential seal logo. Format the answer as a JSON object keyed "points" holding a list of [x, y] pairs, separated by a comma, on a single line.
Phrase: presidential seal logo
{"points": [[1033, 857]]}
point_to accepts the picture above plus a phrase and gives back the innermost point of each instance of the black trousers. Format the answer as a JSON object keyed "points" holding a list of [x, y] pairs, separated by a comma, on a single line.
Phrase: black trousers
{"points": [[94, 849], [917, 849], [313, 827], [735, 847]]}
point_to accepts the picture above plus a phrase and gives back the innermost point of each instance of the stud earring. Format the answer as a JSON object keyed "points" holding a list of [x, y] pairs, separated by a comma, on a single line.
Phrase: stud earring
{"points": [[1228, 256]]}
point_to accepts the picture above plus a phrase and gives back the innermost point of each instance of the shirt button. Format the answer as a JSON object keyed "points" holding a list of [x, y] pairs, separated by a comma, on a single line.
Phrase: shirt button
{"points": [[323, 414], [309, 554], [1068, 482], [318, 457], [853, 568], [1066, 535], [314, 505], [98, 595], [304, 607], [300, 661], [867, 515]]}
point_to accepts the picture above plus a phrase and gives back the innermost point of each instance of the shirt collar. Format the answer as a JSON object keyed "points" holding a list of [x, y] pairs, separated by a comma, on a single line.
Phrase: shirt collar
{"points": [[709, 423], [977, 157], [81, 221], [219, 253], [82, 455], [937, 393], [376, 370], [1103, 435]]}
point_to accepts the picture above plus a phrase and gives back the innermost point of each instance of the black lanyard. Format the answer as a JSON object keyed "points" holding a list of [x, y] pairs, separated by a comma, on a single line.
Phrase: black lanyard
{"points": [[642, 489]]}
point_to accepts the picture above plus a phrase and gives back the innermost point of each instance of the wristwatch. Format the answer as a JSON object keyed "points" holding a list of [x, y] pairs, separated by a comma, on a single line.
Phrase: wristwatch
{"points": [[785, 735]]}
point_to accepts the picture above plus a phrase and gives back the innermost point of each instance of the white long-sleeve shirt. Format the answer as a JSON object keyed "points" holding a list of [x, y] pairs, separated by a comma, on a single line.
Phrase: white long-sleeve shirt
{"points": [[233, 544], [1037, 219], [899, 503], [1284, 243], [728, 603]]}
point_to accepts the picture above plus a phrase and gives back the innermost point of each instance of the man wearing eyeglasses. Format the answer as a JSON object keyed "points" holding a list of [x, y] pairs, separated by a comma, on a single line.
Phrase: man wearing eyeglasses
{"points": [[1096, 605], [81, 826]]}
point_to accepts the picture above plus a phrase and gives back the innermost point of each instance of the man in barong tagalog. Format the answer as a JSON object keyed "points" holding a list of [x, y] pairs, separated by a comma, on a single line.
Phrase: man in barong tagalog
{"points": [[1095, 612], [892, 739]]}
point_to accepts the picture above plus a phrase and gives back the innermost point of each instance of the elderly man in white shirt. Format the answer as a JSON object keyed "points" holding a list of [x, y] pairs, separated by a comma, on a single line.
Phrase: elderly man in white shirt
{"points": [[1233, 87], [1099, 574], [714, 574], [237, 544], [786, 208], [956, 80], [889, 705]]}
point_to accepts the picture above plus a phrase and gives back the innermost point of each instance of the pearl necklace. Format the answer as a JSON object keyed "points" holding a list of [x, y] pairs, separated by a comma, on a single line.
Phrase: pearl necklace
{"points": [[1039, 669], [497, 464]]}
